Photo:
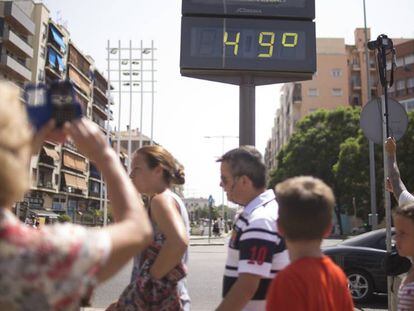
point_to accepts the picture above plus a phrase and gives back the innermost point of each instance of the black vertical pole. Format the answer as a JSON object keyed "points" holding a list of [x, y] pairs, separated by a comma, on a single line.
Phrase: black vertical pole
{"points": [[247, 112], [384, 70]]}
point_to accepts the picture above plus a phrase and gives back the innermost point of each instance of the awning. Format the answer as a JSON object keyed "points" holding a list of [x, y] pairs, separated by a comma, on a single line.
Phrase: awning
{"points": [[61, 65], [81, 182], [44, 213], [52, 58], [51, 152], [70, 180], [69, 161], [74, 161], [58, 39], [80, 164]]}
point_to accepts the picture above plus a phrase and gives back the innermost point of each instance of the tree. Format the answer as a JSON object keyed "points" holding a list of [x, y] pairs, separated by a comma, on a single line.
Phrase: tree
{"points": [[313, 149], [330, 145]]}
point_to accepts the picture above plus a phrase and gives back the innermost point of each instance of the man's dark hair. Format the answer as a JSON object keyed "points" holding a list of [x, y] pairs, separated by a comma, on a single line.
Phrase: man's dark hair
{"points": [[246, 160], [305, 207]]}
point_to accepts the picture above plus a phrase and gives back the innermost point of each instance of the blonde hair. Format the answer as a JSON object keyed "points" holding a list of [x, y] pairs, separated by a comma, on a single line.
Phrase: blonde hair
{"points": [[15, 137]]}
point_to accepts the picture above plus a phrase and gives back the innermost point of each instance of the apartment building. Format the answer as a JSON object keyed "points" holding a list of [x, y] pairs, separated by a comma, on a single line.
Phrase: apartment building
{"points": [[35, 49], [340, 80], [403, 88], [17, 30]]}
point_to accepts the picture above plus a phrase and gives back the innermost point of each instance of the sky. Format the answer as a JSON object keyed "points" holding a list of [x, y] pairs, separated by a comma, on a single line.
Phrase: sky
{"points": [[187, 110]]}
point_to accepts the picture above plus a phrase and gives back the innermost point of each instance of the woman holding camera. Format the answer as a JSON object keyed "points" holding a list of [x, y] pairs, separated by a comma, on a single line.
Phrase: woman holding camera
{"points": [[53, 267], [158, 278]]}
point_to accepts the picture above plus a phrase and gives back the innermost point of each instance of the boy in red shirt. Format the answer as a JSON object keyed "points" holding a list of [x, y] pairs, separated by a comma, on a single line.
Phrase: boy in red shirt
{"points": [[312, 281]]}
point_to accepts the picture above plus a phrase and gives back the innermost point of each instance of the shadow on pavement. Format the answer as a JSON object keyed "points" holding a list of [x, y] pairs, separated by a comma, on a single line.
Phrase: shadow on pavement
{"points": [[378, 302]]}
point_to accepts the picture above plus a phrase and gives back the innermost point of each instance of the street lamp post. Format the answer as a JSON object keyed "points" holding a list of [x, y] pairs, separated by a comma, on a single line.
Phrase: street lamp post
{"points": [[222, 137], [115, 65], [131, 83]]}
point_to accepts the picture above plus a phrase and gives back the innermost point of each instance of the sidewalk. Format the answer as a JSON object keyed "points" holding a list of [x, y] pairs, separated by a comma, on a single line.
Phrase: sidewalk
{"points": [[198, 240]]}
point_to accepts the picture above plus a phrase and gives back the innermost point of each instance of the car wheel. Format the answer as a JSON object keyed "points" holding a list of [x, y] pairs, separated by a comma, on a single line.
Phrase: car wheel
{"points": [[360, 285]]}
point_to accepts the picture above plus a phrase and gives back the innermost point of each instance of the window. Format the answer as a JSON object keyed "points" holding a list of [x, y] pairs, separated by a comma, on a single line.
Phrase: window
{"points": [[355, 100], [409, 59], [42, 51], [400, 62], [41, 75], [337, 92], [313, 92], [410, 85], [44, 34], [400, 85], [336, 72]]}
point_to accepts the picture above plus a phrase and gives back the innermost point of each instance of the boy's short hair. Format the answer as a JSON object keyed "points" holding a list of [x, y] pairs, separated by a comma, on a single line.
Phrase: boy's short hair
{"points": [[305, 207]]}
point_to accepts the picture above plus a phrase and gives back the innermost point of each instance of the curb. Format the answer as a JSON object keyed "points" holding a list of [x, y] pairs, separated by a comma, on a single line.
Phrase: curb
{"points": [[207, 244]]}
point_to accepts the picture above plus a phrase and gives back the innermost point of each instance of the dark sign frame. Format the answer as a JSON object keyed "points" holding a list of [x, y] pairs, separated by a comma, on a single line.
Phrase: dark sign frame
{"points": [[290, 9], [231, 69]]}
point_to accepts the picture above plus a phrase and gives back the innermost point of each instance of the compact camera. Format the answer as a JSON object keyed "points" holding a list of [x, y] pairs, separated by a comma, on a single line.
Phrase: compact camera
{"points": [[55, 101]]}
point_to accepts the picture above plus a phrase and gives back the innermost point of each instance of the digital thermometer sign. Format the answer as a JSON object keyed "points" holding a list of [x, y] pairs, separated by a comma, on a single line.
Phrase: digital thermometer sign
{"points": [[259, 41]]}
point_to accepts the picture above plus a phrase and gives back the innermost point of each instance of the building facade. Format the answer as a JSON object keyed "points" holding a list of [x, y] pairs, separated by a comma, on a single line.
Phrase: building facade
{"points": [[341, 80], [35, 49]]}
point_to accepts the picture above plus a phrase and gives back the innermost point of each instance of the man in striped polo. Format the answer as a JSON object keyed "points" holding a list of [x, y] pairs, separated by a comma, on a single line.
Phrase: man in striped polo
{"points": [[256, 252]]}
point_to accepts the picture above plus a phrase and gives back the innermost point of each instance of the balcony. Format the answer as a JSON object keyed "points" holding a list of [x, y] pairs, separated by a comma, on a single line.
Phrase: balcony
{"points": [[45, 184], [79, 80], [15, 69], [15, 17], [100, 109], [356, 85], [17, 45], [356, 67]]}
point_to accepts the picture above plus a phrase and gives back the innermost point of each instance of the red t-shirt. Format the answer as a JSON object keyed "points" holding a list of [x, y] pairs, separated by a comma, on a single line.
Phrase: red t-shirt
{"points": [[313, 284]]}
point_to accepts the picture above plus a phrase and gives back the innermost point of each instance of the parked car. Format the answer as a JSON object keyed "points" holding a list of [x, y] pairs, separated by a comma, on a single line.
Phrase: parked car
{"points": [[363, 260]]}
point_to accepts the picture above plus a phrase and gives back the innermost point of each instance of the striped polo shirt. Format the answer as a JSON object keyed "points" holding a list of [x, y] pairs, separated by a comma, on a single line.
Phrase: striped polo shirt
{"points": [[255, 247]]}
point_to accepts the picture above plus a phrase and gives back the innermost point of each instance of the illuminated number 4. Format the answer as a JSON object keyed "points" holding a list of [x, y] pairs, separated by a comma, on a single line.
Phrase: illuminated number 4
{"points": [[257, 255], [232, 43]]}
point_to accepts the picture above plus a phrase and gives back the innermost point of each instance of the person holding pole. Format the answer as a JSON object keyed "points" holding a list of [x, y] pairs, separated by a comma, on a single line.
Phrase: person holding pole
{"points": [[394, 182], [256, 252]]}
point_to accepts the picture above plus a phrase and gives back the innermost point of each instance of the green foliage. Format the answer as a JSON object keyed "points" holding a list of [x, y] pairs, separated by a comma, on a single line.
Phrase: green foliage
{"points": [[331, 146], [64, 218], [313, 149]]}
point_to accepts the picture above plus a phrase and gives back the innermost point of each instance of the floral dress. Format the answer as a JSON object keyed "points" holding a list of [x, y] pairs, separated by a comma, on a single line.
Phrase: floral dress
{"points": [[50, 268], [145, 293]]}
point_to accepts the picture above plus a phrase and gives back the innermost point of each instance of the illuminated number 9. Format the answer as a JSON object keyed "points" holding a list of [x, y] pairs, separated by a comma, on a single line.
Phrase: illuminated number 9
{"points": [[232, 43], [290, 35], [267, 44]]}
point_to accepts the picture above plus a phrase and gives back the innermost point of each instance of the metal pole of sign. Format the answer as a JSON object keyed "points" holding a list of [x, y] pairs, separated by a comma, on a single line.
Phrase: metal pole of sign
{"points": [[105, 207], [142, 96], [387, 199], [382, 65], [118, 143], [152, 92], [130, 107], [374, 215], [247, 112]]}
